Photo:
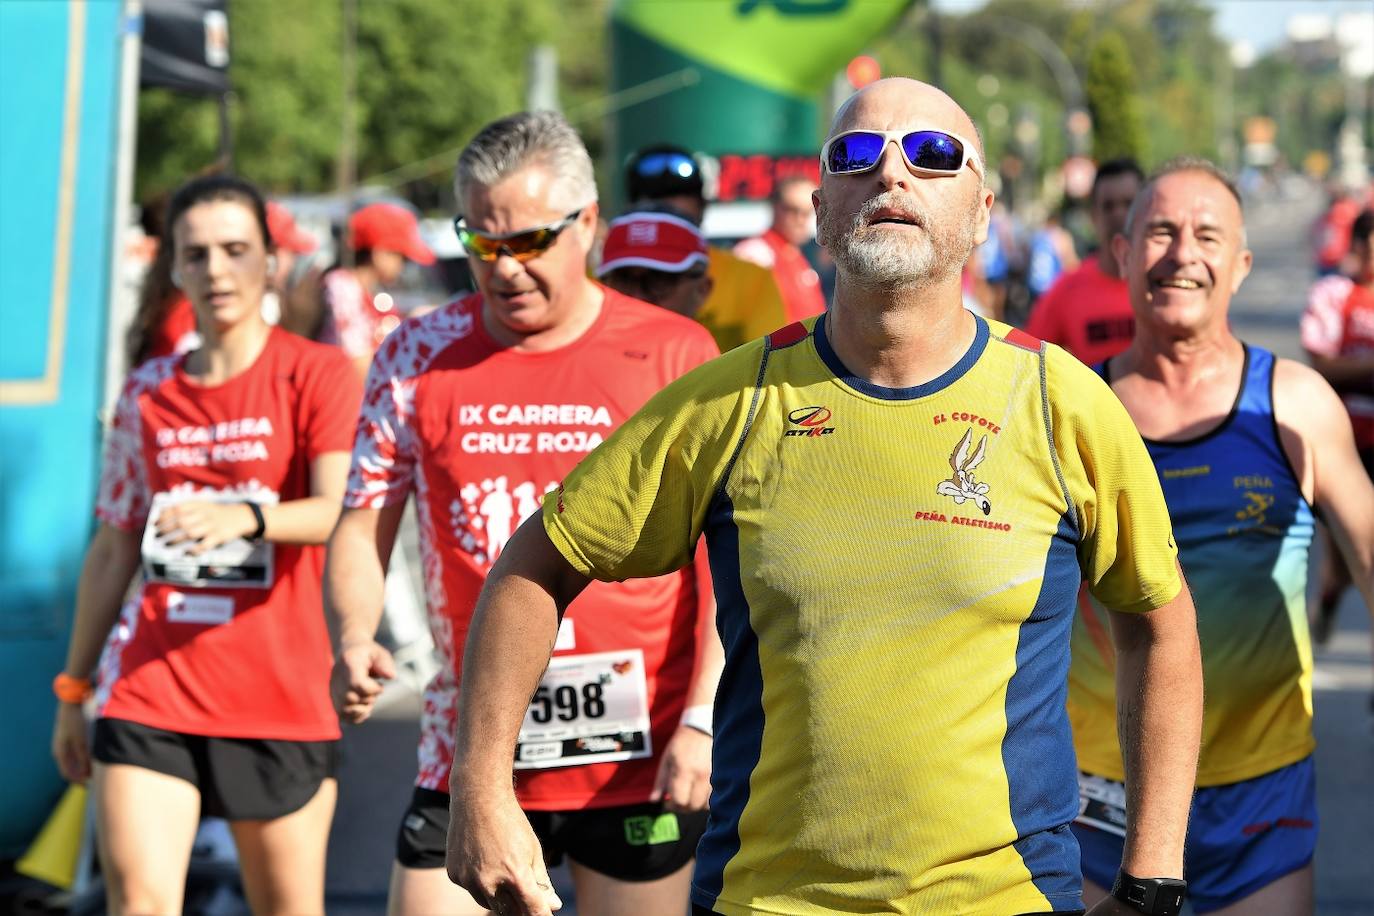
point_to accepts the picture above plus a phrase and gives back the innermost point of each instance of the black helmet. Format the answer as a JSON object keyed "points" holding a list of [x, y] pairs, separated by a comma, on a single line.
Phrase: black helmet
{"points": [[662, 171]]}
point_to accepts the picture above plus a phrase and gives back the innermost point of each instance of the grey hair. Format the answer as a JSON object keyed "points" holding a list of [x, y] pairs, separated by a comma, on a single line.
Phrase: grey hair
{"points": [[1173, 167], [528, 138]]}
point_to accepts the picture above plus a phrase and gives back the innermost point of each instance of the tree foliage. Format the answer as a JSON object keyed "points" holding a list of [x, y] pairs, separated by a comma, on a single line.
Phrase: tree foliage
{"points": [[428, 76], [1111, 86], [431, 72]]}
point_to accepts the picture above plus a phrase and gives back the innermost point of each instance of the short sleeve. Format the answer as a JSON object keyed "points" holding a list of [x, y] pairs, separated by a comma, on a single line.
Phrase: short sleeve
{"points": [[1323, 321], [331, 396], [1126, 550], [635, 507], [382, 468], [348, 324], [124, 496]]}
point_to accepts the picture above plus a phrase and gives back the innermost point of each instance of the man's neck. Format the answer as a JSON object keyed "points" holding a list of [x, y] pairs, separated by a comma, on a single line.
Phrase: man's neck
{"points": [[582, 312], [1180, 360], [899, 338], [1107, 263], [367, 278]]}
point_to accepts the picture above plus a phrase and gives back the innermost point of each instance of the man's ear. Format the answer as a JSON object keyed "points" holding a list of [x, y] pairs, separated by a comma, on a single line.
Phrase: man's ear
{"points": [[1245, 259], [980, 233], [818, 204]]}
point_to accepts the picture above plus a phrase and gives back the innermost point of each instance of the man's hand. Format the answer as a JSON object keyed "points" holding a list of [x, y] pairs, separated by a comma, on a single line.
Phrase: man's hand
{"points": [[494, 855], [359, 672], [683, 782]]}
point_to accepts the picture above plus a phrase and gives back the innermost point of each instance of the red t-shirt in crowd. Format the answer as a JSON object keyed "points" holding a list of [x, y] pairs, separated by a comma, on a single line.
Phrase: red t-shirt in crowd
{"points": [[797, 280], [1339, 321], [177, 333], [481, 432], [235, 646], [1086, 312]]}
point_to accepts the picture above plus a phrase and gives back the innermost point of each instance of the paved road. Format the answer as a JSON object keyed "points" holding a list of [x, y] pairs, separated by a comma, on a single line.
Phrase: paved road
{"points": [[379, 758]]}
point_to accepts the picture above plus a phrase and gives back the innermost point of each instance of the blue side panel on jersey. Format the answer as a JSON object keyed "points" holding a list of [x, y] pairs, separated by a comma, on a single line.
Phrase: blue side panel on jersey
{"points": [[1038, 748], [739, 708]]}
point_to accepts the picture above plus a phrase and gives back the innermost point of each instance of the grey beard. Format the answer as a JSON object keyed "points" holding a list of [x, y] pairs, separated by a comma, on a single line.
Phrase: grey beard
{"points": [[885, 260]]}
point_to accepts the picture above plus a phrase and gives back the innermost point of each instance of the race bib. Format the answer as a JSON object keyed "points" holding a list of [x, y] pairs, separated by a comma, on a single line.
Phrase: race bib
{"points": [[234, 564], [1101, 804], [205, 609], [588, 709]]}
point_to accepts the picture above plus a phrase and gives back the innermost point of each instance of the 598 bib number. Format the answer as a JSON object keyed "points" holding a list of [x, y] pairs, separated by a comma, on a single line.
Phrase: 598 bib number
{"points": [[588, 709]]}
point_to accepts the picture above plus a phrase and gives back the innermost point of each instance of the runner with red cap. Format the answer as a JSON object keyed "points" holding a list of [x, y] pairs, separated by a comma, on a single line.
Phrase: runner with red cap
{"points": [[659, 258], [383, 237]]}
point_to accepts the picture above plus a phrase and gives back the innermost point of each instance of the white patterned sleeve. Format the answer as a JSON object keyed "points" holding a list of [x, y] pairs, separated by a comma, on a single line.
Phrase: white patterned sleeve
{"points": [[382, 468], [124, 496], [1323, 321]]}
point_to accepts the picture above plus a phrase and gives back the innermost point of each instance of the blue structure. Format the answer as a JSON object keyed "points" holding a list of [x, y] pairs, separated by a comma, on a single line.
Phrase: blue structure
{"points": [[59, 86]]}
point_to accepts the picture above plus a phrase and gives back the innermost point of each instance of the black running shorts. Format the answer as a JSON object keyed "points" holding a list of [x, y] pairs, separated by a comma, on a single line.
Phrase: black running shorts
{"points": [[628, 843], [247, 779]]}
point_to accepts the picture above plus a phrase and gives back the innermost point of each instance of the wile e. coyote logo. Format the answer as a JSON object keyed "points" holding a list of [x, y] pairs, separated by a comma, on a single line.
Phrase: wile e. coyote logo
{"points": [[962, 486]]}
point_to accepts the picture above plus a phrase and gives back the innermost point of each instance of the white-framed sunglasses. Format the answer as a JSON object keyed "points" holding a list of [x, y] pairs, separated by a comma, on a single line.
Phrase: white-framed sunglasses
{"points": [[926, 152]]}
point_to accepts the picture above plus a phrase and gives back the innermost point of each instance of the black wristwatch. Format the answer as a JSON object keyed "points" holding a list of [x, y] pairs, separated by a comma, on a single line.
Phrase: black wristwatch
{"points": [[1151, 896], [256, 536]]}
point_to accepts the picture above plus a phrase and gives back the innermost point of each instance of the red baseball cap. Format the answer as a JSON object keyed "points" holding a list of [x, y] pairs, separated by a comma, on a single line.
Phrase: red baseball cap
{"points": [[391, 227], [658, 241], [285, 233]]}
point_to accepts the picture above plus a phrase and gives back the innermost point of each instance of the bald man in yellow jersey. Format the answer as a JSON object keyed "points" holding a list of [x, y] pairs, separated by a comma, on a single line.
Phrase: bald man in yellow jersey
{"points": [[900, 500]]}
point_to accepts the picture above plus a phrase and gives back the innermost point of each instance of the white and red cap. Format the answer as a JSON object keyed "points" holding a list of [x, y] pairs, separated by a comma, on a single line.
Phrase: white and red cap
{"points": [[658, 241]]}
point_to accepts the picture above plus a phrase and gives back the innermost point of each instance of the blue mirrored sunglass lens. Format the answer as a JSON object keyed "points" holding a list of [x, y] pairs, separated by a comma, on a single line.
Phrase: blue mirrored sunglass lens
{"points": [[933, 150], [656, 164], [855, 152]]}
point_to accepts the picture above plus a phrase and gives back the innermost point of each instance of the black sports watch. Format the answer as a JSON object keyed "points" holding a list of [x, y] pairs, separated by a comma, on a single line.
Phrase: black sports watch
{"points": [[1151, 896]]}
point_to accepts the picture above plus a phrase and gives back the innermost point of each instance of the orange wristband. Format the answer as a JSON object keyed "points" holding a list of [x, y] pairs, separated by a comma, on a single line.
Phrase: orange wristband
{"points": [[71, 689]]}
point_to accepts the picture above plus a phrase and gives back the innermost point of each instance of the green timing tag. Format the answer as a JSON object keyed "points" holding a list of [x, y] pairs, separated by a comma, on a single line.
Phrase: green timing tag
{"points": [[651, 831]]}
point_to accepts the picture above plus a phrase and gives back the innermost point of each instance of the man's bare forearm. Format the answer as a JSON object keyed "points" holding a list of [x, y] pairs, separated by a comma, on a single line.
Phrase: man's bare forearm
{"points": [[1159, 716], [508, 647], [355, 572]]}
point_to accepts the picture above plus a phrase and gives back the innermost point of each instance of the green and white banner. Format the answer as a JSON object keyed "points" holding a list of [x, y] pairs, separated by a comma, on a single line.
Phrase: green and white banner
{"points": [[735, 78]]}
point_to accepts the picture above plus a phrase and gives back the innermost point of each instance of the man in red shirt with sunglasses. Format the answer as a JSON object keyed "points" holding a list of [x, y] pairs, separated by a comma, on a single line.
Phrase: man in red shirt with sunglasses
{"points": [[480, 408]]}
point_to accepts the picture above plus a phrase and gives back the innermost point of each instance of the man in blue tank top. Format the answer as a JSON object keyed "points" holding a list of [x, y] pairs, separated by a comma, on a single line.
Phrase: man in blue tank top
{"points": [[1248, 448]]}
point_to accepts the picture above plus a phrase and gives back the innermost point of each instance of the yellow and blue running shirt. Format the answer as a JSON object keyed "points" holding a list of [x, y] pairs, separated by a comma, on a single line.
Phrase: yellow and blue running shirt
{"points": [[1244, 531], [895, 571]]}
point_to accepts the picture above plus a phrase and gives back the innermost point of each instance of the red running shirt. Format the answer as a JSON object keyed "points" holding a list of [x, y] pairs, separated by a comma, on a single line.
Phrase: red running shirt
{"points": [[177, 333], [798, 281], [1086, 312], [480, 433], [226, 661], [1339, 321]]}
